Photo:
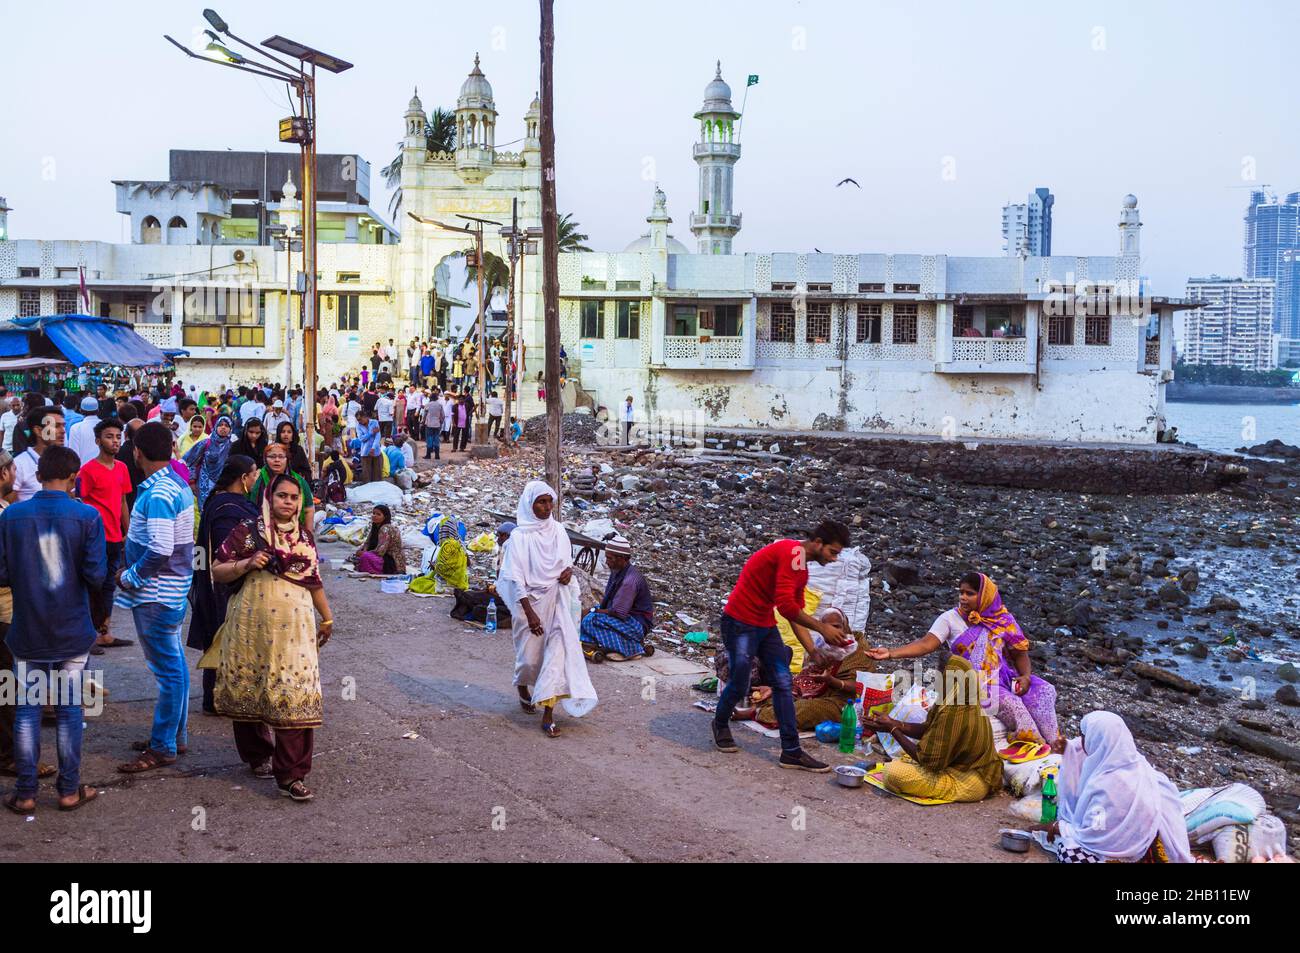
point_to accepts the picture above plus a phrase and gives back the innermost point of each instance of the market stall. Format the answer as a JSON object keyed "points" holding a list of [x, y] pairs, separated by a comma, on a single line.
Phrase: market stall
{"points": [[76, 350]]}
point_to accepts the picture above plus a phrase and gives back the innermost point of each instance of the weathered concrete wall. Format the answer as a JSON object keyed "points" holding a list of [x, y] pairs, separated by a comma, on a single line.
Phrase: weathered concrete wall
{"points": [[1107, 405]]}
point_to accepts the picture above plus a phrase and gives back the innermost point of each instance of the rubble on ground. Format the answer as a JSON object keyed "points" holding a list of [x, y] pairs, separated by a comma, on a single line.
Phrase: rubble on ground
{"points": [[1112, 591]]}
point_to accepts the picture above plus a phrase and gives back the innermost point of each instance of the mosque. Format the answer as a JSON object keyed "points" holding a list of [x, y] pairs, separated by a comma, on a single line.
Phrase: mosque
{"points": [[927, 344]]}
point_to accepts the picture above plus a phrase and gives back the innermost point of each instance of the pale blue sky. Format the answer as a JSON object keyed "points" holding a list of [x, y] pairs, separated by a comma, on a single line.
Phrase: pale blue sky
{"points": [[1094, 100]]}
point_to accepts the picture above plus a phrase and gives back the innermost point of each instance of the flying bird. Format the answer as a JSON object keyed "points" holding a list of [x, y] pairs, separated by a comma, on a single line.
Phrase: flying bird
{"points": [[842, 181]]}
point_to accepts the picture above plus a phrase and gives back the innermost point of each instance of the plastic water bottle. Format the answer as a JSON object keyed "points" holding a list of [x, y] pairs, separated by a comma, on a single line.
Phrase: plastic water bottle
{"points": [[848, 728], [1049, 799], [491, 623]]}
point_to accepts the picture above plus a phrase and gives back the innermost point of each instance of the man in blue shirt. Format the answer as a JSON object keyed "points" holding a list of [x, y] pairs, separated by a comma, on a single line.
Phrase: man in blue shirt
{"points": [[155, 586], [51, 555], [372, 468]]}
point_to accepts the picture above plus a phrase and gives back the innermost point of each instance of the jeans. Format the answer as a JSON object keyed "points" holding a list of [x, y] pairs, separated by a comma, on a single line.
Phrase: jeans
{"points": [[432, 443], [494, 426], [101, 600], [159, 629], [745, 642], [27, 726]]}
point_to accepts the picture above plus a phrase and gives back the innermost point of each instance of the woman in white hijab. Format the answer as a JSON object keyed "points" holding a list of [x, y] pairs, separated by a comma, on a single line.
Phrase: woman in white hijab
{"points": [[1112, 805], [534, 582]]}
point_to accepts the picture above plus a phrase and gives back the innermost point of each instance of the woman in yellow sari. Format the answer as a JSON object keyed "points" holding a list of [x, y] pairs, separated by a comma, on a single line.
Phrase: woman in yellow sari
{"points": [[265, 653]]}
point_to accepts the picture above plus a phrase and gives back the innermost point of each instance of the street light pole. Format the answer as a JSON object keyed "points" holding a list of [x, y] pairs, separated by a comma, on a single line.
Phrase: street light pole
{"points": [[302, 130], [550, 261]]}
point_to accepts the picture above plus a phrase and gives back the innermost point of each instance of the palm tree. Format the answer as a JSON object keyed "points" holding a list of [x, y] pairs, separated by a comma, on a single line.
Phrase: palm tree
{"points": [[439, 136], [568, 238]]}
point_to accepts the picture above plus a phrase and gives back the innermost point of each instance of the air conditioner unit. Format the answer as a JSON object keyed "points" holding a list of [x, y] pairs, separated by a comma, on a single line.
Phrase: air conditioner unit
{"points": [[239, 254]]}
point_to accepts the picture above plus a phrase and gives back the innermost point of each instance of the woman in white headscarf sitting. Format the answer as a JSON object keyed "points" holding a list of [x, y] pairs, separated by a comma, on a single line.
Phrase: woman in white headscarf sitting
{"points": [[1112, 806], [535, 582]]}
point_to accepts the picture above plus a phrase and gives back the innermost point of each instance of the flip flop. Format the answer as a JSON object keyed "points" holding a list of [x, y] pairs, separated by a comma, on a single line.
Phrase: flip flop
{"points": [[1021, 751], [549, 729], [85, 794], [116, 643], [11, 802]]}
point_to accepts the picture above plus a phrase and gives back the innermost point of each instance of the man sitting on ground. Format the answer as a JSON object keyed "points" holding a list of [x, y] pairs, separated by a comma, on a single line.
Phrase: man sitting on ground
{"points": [[626, 612]]}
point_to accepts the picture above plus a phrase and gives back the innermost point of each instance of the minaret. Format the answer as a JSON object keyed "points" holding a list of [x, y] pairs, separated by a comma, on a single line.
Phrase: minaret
{"points": [[289, 215], [4, 219], [476, 127], [1130, 228], [713, 221], [532, 150], [659, 221], [416, 122]]}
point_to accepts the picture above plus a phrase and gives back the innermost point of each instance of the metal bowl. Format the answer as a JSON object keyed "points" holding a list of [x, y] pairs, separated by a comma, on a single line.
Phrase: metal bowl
{"points": [[1016, 841], [846, 775]]}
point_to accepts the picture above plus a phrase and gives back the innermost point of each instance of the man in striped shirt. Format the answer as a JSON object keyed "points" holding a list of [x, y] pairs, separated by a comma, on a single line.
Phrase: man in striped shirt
{"points": [[155, 585]]}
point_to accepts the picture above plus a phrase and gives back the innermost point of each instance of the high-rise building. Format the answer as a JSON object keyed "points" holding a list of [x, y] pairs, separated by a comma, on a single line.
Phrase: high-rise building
{"points": [[1269, 250], [1233, 324], [1027, 226]]}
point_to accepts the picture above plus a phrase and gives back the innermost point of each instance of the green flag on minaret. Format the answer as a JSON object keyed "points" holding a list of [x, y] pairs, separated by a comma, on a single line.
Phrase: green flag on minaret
{"points": [[752, 81]]}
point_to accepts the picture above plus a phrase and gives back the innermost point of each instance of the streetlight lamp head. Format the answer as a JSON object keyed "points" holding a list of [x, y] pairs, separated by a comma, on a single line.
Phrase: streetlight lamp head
{"points": [[213, 17]]}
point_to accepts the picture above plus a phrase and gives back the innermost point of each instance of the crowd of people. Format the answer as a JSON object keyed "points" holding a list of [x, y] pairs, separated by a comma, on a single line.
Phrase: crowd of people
{"points": [[164, 501]]}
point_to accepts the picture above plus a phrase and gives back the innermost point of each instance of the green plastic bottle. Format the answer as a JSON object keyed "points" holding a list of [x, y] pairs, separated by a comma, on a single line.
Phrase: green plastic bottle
{"points": [[848, 728], [1049, 799]]}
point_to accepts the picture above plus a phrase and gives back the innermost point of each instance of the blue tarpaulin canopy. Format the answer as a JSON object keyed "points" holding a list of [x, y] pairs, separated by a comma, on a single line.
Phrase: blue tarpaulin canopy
{"points": [[86, 340], [13, 343]]}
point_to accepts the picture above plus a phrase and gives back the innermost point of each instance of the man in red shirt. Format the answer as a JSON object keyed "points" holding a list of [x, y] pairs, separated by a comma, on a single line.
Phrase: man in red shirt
{"points": [[773, 579], [105, 484]]}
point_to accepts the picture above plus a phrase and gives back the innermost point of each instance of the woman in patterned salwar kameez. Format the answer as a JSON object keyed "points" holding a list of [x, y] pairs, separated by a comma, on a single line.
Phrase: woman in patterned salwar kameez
{"points": [[950, 755], [266, 652], [983, 631]]}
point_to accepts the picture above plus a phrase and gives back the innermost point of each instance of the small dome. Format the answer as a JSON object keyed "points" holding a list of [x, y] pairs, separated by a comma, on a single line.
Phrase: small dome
{"points": [[1130, 201], [476, 90], [717, 96], [643, 244], [535, 107], [415, 105]]}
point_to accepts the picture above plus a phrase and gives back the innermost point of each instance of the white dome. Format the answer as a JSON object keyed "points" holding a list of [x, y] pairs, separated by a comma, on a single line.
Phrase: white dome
{"points": [[415, 105], [476, 90], [1130, 201], [643, 244], [717, 96]]}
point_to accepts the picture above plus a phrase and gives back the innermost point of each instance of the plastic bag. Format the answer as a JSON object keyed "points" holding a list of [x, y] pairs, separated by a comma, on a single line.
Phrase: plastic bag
{"points": [[380, 491], [912, 708], [397, 584], [844, 585], [483, 543]]}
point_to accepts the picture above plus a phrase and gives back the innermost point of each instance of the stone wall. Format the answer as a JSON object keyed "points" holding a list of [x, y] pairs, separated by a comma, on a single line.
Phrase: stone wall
{"points": [[1082, 470]]}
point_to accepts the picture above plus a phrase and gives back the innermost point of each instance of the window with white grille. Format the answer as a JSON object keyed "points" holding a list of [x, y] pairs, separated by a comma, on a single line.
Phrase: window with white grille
{"points": [[66, 302], [29, 303], [904, 324]]}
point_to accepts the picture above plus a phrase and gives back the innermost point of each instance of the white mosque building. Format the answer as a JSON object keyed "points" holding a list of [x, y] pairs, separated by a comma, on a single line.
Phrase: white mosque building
{"points": [[890, 343]]}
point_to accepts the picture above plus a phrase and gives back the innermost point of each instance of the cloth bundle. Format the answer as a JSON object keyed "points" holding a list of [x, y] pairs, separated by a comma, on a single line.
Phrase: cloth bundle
{"points": [[1233, 820], [844, 585]]}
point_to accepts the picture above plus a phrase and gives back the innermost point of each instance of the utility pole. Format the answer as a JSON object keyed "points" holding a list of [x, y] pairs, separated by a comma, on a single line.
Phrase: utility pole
{"points": [[510, 310], [550, 260]]}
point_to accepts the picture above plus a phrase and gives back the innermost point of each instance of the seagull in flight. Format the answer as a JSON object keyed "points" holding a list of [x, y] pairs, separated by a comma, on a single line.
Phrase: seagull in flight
{"points": [[842, 181]]}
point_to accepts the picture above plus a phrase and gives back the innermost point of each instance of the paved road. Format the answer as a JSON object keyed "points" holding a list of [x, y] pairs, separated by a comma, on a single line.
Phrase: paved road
{"points": [[636, 779]]}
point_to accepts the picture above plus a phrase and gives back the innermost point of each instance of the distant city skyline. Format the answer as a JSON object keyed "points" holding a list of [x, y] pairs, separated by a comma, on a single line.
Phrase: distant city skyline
{"points": [[894, 96]]}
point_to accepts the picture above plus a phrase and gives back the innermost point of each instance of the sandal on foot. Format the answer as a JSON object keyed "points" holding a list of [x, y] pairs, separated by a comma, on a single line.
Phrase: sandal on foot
{"points": [[144, 746], [528, 707], [85, 794], [148, 761], [11, 802], [43, 770], [296, 791], [549, 729], [263, 770]]}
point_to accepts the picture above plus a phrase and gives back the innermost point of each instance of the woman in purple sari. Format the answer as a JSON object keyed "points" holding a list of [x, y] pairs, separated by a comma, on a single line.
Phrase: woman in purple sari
{"points": [[981, 630]]}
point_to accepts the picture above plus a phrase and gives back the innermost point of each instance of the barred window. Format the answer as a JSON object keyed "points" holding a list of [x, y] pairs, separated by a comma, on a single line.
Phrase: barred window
{"points": [[29, 303], [783, 286], [871, 287], [629, 319], [1096, 329], [1060, 329], [904, 324], [868, 324], [349, 312], [906, 289], [593, 319], [819, 286], [782, 322], [66, 301], [819, 322]]}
